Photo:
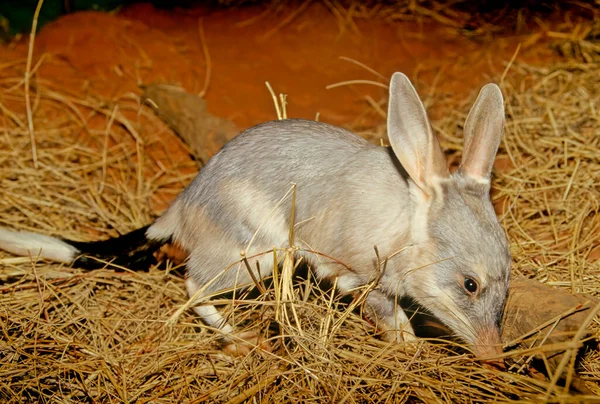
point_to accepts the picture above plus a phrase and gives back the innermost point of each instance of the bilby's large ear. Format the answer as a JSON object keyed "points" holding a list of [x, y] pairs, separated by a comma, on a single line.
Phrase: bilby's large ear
{"points": [[483, 131], [411, 137]]}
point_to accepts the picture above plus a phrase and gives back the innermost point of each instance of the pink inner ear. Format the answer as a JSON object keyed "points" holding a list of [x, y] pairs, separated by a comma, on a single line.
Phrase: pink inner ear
{"points": [[476, 168], [436, 160], [480, 151], [483, 131]]}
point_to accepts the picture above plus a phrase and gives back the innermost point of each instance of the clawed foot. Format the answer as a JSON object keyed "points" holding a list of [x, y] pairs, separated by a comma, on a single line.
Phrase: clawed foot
{"points": [[242, 343]]}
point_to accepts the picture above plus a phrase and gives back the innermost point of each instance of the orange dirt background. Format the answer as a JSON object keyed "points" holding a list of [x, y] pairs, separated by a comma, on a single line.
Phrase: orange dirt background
{"points": [[111, 54], [106, 57]]}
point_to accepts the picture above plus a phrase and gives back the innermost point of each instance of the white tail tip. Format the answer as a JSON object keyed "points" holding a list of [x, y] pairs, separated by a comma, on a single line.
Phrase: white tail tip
{"points": [[36, 245]]}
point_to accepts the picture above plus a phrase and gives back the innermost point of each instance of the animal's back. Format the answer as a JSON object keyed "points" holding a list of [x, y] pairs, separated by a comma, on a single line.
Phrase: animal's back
{"points": [[277, 153], [239, 192], [264, 162]]}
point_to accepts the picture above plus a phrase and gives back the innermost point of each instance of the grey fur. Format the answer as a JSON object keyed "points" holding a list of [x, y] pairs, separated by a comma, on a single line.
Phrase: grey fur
{"points": [[434, 227]]}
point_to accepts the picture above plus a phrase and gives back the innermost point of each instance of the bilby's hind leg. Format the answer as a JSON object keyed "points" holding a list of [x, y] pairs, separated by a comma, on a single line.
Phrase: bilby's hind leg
{"points": [[389, 317], [235, 343], [208, 313]]}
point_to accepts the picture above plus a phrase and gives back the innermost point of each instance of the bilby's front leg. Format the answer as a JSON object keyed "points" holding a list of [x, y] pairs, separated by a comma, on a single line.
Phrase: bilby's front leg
{"points": [[389, 318]]}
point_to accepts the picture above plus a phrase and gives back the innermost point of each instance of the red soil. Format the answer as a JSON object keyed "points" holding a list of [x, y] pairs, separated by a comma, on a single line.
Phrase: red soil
{"points": [[110, 54]]}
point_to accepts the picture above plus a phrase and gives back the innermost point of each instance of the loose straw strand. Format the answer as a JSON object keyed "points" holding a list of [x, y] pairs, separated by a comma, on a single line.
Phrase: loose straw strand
{"points": [[27, 79]]}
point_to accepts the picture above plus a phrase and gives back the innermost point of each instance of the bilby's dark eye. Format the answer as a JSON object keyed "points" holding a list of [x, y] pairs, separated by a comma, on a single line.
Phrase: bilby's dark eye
{"points": [[471, 286]]}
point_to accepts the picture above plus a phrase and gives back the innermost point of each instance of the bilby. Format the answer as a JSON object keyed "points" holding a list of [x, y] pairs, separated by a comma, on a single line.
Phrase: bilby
{"points": [[436, 230]]}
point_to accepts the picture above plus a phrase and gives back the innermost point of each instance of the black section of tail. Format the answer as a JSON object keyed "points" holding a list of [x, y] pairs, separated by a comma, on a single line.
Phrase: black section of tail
{"points": [[132, 250]]}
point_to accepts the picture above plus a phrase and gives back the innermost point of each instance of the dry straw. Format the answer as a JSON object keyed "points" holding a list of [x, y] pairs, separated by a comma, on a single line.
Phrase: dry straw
{"points": [[105, 335]]}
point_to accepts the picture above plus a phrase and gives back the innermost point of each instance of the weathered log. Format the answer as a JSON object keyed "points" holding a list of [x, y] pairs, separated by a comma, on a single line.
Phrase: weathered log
{"points": [[187, 116]]}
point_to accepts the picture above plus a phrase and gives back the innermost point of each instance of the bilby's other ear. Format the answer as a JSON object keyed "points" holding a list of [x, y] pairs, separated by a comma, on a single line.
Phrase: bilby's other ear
{"points": [[483, 131], [411, 137]]}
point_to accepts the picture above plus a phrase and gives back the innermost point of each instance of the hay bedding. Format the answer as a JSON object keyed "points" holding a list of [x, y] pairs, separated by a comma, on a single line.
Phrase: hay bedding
{"points": [[105, 335]]}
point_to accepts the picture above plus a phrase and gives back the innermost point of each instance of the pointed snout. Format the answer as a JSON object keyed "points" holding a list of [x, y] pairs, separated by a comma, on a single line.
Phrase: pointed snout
{"points": [[488, 347]]}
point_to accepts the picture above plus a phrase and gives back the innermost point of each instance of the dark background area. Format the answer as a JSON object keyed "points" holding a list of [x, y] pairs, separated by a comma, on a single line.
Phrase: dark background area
{"points": [[16, 15]]}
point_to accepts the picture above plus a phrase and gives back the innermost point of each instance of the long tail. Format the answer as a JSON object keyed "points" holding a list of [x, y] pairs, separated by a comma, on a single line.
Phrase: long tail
{"points": [[133, 250]]}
